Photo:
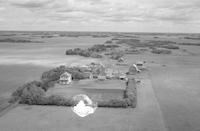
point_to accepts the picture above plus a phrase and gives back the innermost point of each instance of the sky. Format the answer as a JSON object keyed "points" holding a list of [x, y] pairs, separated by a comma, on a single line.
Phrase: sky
{"points": [[177, 16]]}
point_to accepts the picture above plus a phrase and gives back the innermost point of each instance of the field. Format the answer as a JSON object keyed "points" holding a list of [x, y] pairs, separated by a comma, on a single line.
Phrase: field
{"points": [[97, 90], [177, 89], [146, 116]]}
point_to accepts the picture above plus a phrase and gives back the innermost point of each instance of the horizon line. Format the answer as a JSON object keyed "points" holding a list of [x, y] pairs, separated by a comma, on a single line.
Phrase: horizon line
{"points": [[144, 32]]}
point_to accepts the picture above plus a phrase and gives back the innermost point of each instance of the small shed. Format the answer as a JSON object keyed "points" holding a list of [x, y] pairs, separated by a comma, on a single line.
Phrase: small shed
{"points": [[122, 76], [140, 65], [65, 78]]}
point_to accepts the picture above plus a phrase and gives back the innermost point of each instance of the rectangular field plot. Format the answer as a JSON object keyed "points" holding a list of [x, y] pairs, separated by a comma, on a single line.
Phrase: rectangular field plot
{"points": [[97, 90], [104, 94]]}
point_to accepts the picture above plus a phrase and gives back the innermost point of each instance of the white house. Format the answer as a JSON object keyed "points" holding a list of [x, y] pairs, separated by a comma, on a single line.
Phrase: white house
{"points": [[65, 78]]}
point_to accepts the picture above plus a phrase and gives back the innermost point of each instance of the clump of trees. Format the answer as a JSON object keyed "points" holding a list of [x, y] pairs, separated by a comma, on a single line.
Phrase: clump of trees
{"points": [[91, 52], [54, 74], [128, 41], [190, 44], [29, 93], [13, 40], [160, 51], [174, 47], [116, 55], [153, 44], [108, 42]]}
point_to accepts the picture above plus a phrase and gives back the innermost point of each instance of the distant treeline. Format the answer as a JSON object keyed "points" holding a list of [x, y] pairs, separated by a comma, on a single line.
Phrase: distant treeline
{"points": [[12, 40]]}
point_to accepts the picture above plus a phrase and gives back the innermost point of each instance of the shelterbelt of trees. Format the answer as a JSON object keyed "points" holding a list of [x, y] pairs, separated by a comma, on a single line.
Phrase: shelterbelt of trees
{"points": [[33, 92]]}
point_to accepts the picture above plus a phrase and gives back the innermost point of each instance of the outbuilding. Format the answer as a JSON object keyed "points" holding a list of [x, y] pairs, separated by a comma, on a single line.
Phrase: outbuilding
{"points": [[133, 69], [140, 65]]}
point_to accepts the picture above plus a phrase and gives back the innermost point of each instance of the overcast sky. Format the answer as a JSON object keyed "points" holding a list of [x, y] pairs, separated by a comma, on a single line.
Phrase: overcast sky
{"points": [[101, 15]]}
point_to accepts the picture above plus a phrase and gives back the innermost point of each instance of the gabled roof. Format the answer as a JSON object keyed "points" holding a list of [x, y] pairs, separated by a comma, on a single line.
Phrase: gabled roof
{"points": [[65, 74]]}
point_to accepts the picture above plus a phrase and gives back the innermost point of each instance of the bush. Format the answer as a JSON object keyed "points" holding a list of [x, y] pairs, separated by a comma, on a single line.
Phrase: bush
{"points": [[116, 55], [97, 48], [53, 74]]}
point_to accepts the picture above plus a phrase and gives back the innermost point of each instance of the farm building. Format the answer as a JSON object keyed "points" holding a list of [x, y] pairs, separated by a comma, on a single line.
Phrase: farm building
{"points": [[140, 65], [122, 76], [133, 69], [101, 73], [121, 59], [65, 78], [109, 73], [101, 77]]}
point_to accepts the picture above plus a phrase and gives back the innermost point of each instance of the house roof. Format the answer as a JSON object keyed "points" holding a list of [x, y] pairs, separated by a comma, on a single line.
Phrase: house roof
{"points": [[65, 74]]}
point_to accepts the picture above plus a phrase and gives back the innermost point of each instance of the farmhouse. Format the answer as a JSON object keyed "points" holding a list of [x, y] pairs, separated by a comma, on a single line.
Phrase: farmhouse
{"points": [[65, 78]]}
